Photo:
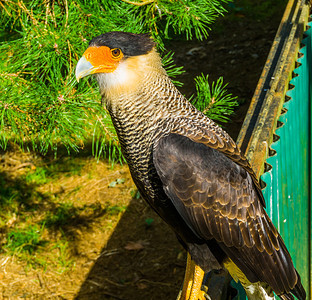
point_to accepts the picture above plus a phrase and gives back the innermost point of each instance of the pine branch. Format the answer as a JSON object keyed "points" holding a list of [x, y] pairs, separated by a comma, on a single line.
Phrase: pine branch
{"points": [[41, 105], [213, 100]]}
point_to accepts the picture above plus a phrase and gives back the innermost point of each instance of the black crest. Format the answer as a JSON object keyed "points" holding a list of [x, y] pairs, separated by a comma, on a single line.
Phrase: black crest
{"points": [[130, 44]]}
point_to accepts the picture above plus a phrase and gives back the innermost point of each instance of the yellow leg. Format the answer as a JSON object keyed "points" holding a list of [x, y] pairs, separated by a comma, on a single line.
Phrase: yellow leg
{"points": [[192, 283], [196, 292], [188, 278]]}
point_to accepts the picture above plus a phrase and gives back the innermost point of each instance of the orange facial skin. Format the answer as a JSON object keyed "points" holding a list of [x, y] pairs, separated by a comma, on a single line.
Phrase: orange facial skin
{"points": [[103, 59]]}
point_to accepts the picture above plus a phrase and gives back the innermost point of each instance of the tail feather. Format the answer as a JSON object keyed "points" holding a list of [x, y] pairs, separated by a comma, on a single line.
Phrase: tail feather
{"points": [[260, 290], [298, 290]]}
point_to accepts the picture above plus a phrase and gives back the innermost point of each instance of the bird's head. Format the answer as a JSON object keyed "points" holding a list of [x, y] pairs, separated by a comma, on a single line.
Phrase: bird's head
{"points": [[117, 59]]}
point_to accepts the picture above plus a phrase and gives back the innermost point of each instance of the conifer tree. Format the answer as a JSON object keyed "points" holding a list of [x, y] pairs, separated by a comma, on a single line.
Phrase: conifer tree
{"points": [[41, 104]]}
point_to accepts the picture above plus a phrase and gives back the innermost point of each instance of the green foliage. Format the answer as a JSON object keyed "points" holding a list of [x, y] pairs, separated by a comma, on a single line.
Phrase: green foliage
{"points": [[164, 18], [115, 209], [63, 214], [28, 245], [38, 176], [26, 240], [41, 104], [40, 214], [213, 100], [149, 222], [62, 257], [135, 194], [172, 70]]}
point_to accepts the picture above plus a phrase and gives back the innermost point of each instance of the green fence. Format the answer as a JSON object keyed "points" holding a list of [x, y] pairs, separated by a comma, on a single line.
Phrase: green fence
{"points": [[288, 180], [276, 135]]}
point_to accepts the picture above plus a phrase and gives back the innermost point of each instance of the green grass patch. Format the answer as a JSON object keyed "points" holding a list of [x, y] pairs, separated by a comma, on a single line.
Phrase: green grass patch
{"points": [[25, 240], [20, 194], [62, 256], [115, 209], [37, 220], [39, 176], [29, 245], [63, 215]]}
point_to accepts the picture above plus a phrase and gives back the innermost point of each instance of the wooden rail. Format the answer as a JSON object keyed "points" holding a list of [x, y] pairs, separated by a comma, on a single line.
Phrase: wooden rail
{"points": [[257, 132]]}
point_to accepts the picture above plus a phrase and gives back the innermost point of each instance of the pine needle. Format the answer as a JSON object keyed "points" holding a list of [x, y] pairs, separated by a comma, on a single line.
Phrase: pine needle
{"points": [[41, 105]]}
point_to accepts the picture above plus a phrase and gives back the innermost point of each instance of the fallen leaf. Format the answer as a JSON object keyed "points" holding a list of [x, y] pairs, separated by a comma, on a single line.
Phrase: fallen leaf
{"points": [[142, 286], [134, 246]]}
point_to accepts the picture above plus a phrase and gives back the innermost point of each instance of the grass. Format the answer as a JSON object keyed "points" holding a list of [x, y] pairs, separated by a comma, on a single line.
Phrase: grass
{"points": [[26, 240], [45, 204], [26, 244], [38, 176], [64, 262], [62, 215], [116, 209]]}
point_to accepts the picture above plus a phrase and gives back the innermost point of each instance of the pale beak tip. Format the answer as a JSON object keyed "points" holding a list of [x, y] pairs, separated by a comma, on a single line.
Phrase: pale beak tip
{"points": [[83, 68]]}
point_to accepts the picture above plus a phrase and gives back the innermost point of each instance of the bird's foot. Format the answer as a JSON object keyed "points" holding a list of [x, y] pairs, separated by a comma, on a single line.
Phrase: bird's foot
{"points": [[203, 294]]}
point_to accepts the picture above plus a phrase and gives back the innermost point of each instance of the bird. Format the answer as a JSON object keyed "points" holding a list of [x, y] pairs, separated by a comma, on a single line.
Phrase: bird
{"points": [[190, 171]]}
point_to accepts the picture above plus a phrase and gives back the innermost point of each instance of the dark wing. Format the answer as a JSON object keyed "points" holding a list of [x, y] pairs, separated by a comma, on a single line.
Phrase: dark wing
{"points": [[217, 198], [214, 137]]}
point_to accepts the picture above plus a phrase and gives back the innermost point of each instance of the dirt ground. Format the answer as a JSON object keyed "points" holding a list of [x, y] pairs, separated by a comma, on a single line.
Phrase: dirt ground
{"points": [[116, 247]]}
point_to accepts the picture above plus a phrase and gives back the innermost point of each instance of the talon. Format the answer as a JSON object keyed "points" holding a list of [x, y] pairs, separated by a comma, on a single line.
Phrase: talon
{"points": [[204, 296]]}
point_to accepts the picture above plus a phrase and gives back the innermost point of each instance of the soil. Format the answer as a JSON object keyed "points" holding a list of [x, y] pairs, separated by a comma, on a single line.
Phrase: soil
{"points": [[116, 246]]}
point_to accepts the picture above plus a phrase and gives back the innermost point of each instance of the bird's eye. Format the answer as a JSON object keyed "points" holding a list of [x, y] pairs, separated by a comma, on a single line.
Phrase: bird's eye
{"points": [[116, 53]]}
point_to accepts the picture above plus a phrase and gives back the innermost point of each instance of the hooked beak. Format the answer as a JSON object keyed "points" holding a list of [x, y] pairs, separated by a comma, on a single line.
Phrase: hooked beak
{"points": [[96, 60], [84, 68]]}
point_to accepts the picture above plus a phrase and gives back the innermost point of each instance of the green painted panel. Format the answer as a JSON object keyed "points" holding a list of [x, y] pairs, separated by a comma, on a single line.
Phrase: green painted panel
{"points": [[288, 182]]}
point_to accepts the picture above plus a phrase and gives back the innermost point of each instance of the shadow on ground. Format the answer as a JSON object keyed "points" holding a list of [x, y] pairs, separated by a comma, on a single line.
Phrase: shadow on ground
{"points": [[142, 260]]}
